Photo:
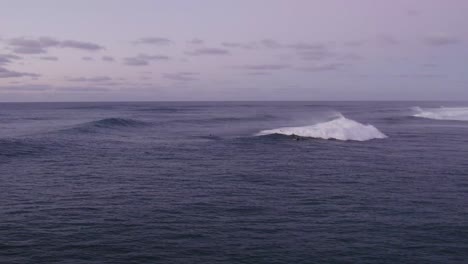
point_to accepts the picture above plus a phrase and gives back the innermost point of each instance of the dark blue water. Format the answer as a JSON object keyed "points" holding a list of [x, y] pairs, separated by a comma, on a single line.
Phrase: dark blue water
{"points": [[191, 183]]}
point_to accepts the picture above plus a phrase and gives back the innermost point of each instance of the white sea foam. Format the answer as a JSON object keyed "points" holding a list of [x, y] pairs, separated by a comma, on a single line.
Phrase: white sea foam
{"points": [[442, 113], [340, 128]]}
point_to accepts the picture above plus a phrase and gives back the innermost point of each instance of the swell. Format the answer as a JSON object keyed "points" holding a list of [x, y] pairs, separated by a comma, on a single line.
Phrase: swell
{"points": [[237, 119], [108, 124], [228, 119], [11, 148]]}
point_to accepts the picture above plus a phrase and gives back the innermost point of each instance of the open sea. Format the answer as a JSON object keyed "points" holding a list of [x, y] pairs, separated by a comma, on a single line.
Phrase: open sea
{"points": [[234, 182]]}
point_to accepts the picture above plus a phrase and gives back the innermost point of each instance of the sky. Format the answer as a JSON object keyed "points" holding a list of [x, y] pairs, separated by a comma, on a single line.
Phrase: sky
{"points": [[233, 50]]}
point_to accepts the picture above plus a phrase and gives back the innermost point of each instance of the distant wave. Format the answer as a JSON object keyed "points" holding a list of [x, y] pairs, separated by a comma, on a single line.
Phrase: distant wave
{"points": [[161, 109], [109, 123], [244, 118], [117, 122], [442, 113], [340, 128]]}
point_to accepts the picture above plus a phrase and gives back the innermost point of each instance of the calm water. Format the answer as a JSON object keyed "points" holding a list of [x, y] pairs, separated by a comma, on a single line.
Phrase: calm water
{"points": [[191, 183]]}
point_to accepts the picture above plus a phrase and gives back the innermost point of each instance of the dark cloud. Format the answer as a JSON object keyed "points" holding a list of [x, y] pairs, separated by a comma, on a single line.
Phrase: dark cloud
{"points": [[80, 45], [154, 41], [307, 46], [107, 58], [208, 51], [154, 57], [135, 61], [86, 58], [41, 45], [324, 67], [5, 73], [144, 59], [265, 67], [32, 46], [49, 58], [181, 76], [412, 12], [441, 40], [8, 58], [90, 79], [195, 41], [315, 55], [238, 45], [29, 50], [270, 43]]}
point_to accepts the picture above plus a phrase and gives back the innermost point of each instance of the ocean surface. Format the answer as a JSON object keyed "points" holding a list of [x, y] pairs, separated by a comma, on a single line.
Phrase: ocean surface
{"points": [[234, 182]]}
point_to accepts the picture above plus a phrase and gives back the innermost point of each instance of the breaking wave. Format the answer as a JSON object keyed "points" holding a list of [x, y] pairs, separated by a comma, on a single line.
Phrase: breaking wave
{"points": [[442, 113], [340, 128]]}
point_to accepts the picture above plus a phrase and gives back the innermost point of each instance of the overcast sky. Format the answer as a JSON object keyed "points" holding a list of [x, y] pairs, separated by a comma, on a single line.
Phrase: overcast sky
{"points": [[124, 50]]}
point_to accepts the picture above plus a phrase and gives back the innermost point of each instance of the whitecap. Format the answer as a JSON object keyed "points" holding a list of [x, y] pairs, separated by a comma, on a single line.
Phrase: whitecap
{"points": [[340, 128], [442, 113]]}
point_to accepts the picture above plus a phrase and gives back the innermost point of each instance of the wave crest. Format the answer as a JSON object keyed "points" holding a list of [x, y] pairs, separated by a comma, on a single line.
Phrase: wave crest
{"points": [[340, 128], [442, 113], [116, 122], [107, 124]]}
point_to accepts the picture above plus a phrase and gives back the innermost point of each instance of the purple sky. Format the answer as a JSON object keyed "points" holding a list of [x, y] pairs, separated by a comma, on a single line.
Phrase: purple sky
{"points": [[116, 50]]}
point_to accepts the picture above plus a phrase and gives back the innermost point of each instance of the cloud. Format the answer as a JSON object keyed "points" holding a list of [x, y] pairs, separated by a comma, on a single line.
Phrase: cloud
{"points": [[86, 58], [307, 46], [154, 41], [181, 76], [208, 51], [441, 40], [324, 67], [154, 57], [420, 75], [25, 87], [354, 43], [135, 61], [5, 73], [270, 43], [258, 73], [90, 79], [238, 45], [8, 58], [82, 89], [195, 41], [350, 57], [143, 59], [265, 67], [107, 58], [32, 46], [45, 87], [80, 45], [316, 55], [41, 45], [49, 58], [387, 40]]}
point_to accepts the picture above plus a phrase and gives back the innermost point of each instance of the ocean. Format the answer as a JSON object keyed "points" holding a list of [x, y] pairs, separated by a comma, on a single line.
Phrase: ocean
{"points": [[234, 182]]}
